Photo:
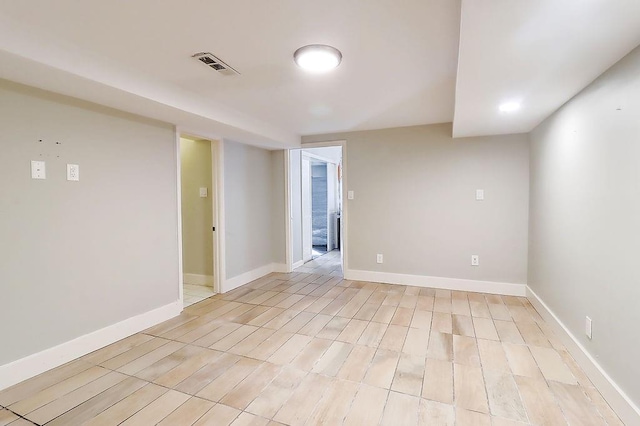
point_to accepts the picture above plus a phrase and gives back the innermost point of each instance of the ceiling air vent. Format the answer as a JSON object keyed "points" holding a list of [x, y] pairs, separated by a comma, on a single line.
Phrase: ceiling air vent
{"points": [[216, 63]]}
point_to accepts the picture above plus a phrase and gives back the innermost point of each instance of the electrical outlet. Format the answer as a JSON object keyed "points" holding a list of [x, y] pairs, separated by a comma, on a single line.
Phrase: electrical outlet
{"points": [[350, 195], [204, 192], [73, 172], [379, 258], [588, 327], [38, 170], [475, 260], [479, 194]]}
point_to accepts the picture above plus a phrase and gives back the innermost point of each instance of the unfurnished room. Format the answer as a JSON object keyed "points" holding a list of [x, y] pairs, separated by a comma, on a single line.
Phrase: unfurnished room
{"points": [[409, 212]]}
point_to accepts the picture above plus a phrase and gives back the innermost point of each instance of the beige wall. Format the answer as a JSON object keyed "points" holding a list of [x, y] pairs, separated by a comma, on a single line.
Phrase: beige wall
{"points": [[415, 202], [584, 236], [79, 256], [254, 207], [197, 212]]}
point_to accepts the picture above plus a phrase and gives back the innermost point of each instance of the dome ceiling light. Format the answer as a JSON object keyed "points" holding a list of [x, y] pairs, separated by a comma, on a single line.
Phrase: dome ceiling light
{"points": [[317, 58]]}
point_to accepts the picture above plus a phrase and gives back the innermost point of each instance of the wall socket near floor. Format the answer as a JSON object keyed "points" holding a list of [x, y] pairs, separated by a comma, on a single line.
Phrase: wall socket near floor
{"points": [[588, 327], [479, 194], [475, 260], [73, 172], [379, 258]]}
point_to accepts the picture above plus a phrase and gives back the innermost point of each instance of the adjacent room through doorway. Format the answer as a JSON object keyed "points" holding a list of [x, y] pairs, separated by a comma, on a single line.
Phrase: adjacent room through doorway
{"points": [[316, 208], [197, 204]]}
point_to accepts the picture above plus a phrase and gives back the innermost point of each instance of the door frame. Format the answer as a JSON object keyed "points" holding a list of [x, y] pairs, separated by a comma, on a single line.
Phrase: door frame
{"points": [[217, 200], [344, 237]]}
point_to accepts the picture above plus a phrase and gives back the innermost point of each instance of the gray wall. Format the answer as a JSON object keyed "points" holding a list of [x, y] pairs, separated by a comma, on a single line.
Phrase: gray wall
{"points": [[79, 256], [415, 202], [584, 236], [197, 212], [254, 207]]}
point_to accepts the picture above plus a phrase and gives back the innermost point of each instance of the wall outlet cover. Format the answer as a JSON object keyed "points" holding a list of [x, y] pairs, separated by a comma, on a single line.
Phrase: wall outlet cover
{"points": [[38, 170], [379, 258], [475, 260], [73, 172]]}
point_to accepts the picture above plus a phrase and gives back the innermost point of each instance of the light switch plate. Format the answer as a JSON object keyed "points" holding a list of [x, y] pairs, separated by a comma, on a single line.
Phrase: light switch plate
{"points": [[588, 327], [350, 195], [479, 194], [204, 193], [38, 170], [73, 172]]}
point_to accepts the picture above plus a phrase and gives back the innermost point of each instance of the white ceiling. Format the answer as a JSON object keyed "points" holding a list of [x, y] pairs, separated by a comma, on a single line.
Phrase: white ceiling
{"points": [[540, 53], [400, 60]]}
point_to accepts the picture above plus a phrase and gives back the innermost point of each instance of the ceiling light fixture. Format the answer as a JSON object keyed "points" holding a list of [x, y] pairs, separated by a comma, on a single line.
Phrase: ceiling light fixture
{"points": [[509, 107], [317, 58]]}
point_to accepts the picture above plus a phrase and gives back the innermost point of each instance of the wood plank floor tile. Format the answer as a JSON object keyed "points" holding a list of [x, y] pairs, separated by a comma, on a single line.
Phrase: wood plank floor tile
{"points": [[552, 365], [29, 387], [127, 407], [436, 413], [400, 409], [249, 388], [158, 409], [309, 347], [469, 388], [367, 406], [409, 375], [219, 415], [297, 409], [576, 406], [465, 351], [437, 384], [503, 396], [539, 401], [382, 369], [56, 391], [228, 379], [269, 401], [357, 363]]}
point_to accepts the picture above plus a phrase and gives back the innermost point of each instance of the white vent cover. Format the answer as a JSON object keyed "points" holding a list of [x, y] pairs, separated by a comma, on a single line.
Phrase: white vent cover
{"points": [[216, 63]]}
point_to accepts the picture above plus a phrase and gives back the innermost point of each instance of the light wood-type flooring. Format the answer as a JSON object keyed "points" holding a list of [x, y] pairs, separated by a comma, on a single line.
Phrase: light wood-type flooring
{"points": [[311, 348]]}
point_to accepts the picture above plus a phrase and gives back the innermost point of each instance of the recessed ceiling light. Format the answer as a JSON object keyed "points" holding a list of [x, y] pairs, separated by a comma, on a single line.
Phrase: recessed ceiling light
{"points": [[317, 58], [509, 107]]}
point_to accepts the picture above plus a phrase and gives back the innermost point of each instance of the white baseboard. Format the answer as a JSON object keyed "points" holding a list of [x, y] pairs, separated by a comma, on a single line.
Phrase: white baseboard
{"points": [[492, 287], [32, 365], [298, 264], [247, 277], [280, 267], [624, 407], [196, 279]]}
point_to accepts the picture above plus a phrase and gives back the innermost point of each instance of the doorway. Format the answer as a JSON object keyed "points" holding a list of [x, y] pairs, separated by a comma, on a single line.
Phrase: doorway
{"points": [[198, 206], [316, 234]]}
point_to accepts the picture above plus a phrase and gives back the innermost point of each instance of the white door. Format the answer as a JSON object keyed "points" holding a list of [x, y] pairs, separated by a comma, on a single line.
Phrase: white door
{"points": [[307, 242]]}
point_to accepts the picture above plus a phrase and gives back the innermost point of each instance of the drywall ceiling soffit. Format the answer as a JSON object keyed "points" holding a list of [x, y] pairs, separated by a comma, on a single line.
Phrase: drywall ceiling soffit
{"points": [[399, 65], [539, 53]]}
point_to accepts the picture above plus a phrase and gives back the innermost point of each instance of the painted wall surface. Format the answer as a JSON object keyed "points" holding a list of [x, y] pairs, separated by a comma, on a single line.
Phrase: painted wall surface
{"points": [[254, 234], [415, 202], [585, 218], [79, 256], [197, 212]]}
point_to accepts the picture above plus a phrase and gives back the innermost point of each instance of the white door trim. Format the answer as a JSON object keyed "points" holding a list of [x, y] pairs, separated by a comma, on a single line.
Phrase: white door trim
{"points": [[217, 198], [344, 238], [179, 215]]}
